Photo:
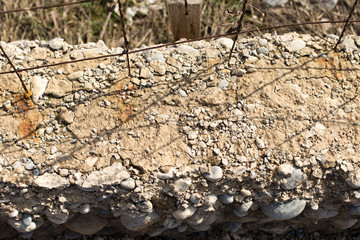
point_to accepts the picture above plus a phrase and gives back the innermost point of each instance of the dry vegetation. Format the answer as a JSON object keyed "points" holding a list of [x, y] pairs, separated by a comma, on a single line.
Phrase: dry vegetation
{"points": [[90, 21]]}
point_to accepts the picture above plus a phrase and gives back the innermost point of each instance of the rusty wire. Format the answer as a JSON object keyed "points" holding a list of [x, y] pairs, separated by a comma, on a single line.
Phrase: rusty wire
{"points": [[347, 23], [46, 7], [27, 91], [125, 38], [181, 42], [239, 26]]}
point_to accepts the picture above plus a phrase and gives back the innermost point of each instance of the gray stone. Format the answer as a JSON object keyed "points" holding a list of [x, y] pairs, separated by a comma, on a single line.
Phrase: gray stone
{"points": [[215, 174], [111, 175], [140, 222], [294, 180], [184, 213], [51, 180], [128, 184], [38, 87], [225, 42], [170, 223], [27, 219], [284, 211], [56, 44], [85, 208], [223, 84], [75, 75], [263, 50], [159, 57], [353, 178], [354, 210], [182, 93], [328, 4], [226, 198], [263, 42], [21, 227], [181, 185], [185, 49], [29, 165], [348, 44], [296, 45]]}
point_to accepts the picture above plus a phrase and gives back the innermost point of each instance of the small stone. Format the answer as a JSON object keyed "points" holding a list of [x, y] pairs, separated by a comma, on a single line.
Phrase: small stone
{"points": [[145, 73], [67, 116], [353, 178], [167, 175], [285, 169], [263, 42], [145, 206], [14, 213], [85, 208], [284, 211], [158, 67], [135, 81], [128, 184], [38, 87], [260, 143], [185, 49], [239, 72], [263, 50], [181, 185], [215, 174], [182, 93], [111, 175], [297, 45], [62, 199], [64, 172], [139, 222], [29, 165], [159, 57], [75, 75], [223, 84], [226, 198], [27, 219], [56, 44], [294, 180], [225, 42], [185, 213], [51, 180], [170, 223]]}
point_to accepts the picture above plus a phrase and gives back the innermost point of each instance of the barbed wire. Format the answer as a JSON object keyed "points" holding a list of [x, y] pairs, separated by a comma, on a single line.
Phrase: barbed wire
{"points": [[180, 42], [46, 7]]}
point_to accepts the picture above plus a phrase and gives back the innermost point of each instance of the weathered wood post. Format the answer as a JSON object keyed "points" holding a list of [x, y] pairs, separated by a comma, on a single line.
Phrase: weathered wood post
{"points": [[184, 18]]}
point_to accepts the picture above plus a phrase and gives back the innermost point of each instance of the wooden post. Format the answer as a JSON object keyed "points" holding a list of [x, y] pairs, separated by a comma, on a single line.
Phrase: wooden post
{"points": [[184, 18]]}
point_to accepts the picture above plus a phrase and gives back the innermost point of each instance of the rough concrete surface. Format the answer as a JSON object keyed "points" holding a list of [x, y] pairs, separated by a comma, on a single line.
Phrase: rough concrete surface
{"points": [[265, 141]]}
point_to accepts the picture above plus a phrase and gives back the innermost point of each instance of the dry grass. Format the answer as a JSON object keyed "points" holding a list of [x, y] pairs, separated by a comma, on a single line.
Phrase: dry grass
{"points": [[90, 22]]}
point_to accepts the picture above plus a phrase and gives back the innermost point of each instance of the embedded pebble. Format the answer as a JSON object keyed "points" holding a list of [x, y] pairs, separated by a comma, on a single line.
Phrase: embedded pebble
{"points": [[51, 180], [274, 3], [223, 84], [87, 224], [29, 165], [215, 174], [170, 223], [263, 50], [181, 185], [137, 223], [291, 182], [284, 211], [184, 213], [38, 87], [56, 44], [85, 208], [57, 216], [182, 93], [13, 213], [27, 219], [128, 184], [226, 198], [167, 175], [225, 42], [353, 178], [185, 49], [297, 45]]}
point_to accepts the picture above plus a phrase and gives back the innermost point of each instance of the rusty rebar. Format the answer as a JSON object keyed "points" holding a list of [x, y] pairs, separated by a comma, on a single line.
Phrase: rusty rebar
{"points": [[28, 92], [46, 7], [347, 23], [239, 26], [125, 38]]}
